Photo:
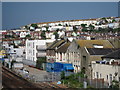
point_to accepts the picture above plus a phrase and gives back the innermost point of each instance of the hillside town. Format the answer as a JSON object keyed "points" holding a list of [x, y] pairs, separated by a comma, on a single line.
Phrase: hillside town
{"points": [[70, 54]]}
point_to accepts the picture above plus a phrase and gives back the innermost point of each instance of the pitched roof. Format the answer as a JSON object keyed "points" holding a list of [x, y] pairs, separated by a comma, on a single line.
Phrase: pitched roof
{"points": [[113, 55], [90, 43], [64, 47], [56, 44], [101, 51]]}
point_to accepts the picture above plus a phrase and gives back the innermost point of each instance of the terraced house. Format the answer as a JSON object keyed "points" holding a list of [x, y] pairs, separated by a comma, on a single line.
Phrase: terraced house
{"points": [[51, 50], [61, 53]]}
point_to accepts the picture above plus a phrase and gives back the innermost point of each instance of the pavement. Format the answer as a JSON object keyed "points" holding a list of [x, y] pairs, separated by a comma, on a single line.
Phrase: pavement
{"points": [[35, 71]]}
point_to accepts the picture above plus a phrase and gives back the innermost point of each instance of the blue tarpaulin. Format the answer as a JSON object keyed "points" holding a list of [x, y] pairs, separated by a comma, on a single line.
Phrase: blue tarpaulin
{"points": [[59, 67], [69, 68]]}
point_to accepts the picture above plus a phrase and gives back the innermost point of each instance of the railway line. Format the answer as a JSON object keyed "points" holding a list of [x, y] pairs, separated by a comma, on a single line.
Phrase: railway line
{"points": [[11, 80]]}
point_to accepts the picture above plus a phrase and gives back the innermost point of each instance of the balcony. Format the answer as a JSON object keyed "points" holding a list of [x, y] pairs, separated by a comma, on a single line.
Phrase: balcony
{"points": [[41, 48], [41, 54]]}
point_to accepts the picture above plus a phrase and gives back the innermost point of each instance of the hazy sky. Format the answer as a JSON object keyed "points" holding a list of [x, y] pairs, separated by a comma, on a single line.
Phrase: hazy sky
{"points": [[16, 14]]}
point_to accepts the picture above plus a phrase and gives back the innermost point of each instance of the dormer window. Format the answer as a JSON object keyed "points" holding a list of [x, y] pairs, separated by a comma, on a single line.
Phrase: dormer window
{"points": [[97, 46]]}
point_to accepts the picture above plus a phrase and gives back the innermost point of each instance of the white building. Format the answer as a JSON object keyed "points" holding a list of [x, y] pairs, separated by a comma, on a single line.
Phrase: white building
{"points": [[14, 52], [108, 69], [23, 34], [36, 48], [106, 72]]}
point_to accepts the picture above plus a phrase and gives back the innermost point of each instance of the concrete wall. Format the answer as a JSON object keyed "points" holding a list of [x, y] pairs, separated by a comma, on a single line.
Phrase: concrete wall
{"points": [[104, 71]]}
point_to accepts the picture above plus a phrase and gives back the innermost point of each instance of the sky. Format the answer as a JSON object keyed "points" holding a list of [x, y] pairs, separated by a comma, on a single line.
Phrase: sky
{"points": [[0, 15], [17, 14]]}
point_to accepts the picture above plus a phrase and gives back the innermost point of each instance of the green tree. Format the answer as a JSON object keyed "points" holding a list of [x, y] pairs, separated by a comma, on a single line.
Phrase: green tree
{"points": [[59, 24], [113, 21], [40, 61], [26, 27], [28, 36], [34, 25], [43, 36], [56, 35], [47, 28], [75, 29], [8, 36], [83, 25], [101, 29], [105, 20], [84, 28], [116, 30], [91, 27]]}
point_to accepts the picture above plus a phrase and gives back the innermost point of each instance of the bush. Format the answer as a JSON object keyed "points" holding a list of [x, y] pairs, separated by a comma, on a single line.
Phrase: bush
{"points": [[62, 75], [72, 81], [115, 84]]}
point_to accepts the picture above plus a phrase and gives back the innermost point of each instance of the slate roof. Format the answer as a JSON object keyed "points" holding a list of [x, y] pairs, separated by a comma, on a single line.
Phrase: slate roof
{"points": [[90, 43], [101, 51], [113, 55], [64, 48], [56, 44]]}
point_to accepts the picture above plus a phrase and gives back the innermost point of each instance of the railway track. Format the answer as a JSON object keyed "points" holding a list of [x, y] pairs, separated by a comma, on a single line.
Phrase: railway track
{"points": [[11, 80]]}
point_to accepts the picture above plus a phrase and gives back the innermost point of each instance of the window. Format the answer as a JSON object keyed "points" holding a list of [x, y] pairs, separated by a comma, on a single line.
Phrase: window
{"points": [[33, 44], [33, 52], [100, 75], [97, 75], [94, 74], [84, 58], [28, 44], [97, 46], [107, 77], [110, 78]]}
